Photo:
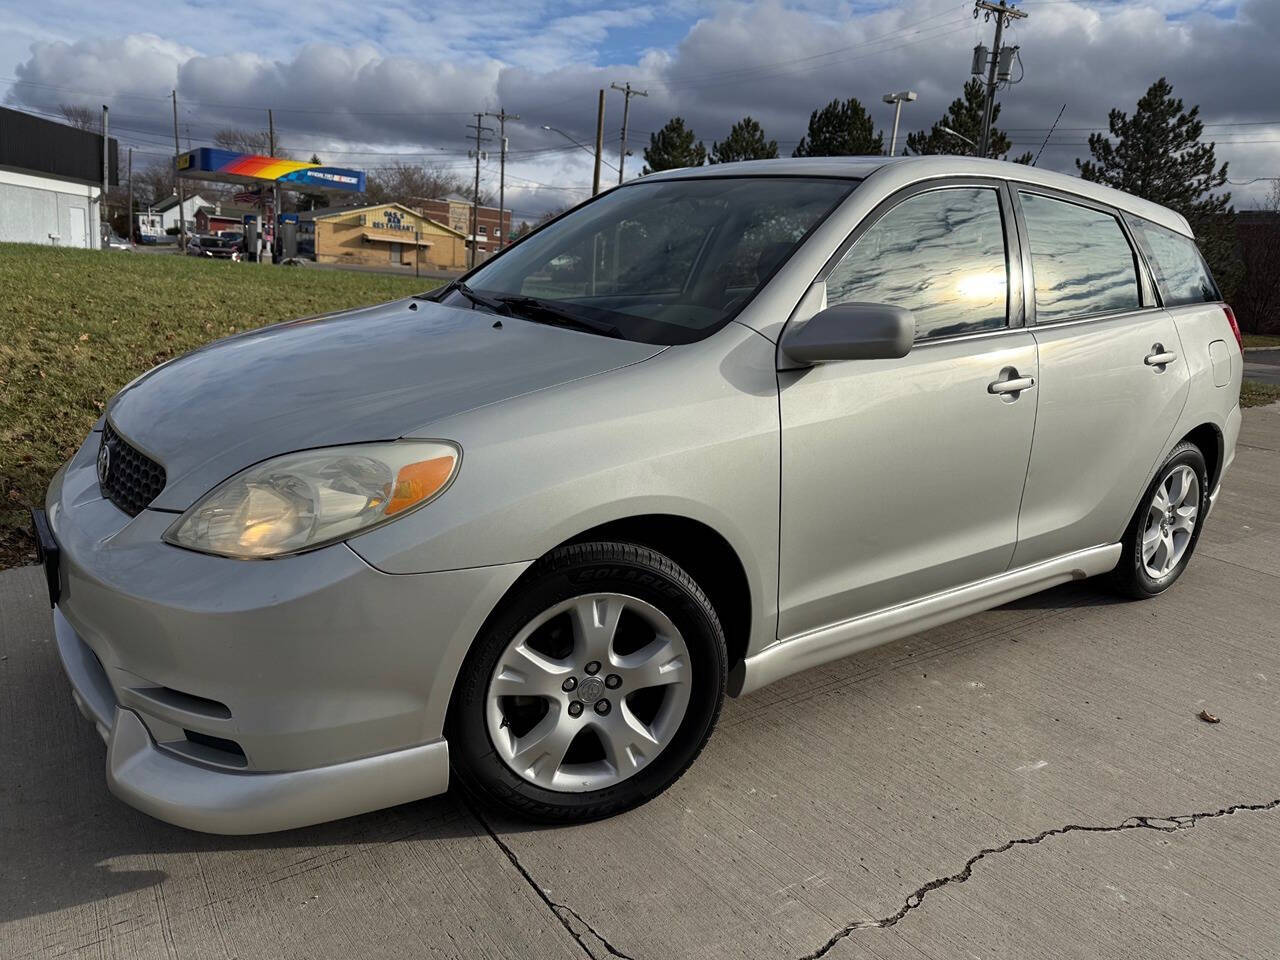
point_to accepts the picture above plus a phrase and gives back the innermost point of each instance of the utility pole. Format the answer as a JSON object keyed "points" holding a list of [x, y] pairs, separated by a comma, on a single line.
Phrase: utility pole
{"points": [[897, 99], [502, 117], [177, 180], [131, 231], [627, 94], [480, 130], [1004, 15], [595, 180], [275, 189], [106, 185]]}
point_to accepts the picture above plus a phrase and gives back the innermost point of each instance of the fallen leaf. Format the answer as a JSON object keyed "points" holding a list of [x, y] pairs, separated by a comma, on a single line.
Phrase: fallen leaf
{"points": [[1208, 717]]}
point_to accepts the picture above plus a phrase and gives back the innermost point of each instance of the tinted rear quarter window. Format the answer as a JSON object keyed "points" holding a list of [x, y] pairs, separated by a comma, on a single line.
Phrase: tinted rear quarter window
{"points": [[1080, 258], [1181, 273]]}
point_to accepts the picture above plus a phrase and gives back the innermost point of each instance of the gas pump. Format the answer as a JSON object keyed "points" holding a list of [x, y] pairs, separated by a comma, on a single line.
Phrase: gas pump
{"points": [[288, 236], [252, 237]]}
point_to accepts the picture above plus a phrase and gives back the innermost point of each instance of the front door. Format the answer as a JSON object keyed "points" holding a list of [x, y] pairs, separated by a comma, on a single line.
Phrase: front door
{"points": [[902, 478], [1107, 408], [395, 252]]}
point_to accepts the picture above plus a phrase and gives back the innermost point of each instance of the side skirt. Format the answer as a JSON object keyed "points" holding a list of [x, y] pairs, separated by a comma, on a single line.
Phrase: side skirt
{"points": [[804, 650]]}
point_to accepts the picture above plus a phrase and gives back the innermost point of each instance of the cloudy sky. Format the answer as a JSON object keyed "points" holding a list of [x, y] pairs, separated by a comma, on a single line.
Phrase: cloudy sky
{"points": [[394, 79]]}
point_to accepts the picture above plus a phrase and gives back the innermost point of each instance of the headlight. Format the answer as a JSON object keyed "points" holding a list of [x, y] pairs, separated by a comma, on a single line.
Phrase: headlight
{"points": [[305, 500]]}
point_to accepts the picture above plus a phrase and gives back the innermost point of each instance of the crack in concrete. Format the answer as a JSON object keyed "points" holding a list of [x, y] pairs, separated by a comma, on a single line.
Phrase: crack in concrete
{"points": [[1161, 824], [560, 911]]}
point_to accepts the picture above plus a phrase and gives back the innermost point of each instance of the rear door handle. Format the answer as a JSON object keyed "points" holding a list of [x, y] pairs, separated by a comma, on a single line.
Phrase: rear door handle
{"points": [[1013, 385], [1159, 357]]}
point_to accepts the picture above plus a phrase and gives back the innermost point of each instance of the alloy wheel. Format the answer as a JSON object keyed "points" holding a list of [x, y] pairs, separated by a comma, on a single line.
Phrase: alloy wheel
{"points": [[1171, 521], [588, 692]]}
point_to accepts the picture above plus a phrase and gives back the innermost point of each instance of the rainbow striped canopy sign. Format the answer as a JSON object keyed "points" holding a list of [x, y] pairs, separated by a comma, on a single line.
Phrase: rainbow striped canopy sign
{"points": [[209, 163]]}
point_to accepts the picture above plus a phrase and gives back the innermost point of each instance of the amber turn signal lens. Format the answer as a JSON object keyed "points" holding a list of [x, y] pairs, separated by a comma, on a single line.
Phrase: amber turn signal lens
{"points": [[417, 481]]}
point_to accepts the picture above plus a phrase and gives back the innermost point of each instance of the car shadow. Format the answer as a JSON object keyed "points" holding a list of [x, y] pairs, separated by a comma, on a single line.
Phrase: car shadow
{"points": [[1077, 593]]}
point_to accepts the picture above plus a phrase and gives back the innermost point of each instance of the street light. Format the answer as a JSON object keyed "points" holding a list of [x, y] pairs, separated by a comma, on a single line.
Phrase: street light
{"points": [[959, 136], [897, 100], [578, 143]]}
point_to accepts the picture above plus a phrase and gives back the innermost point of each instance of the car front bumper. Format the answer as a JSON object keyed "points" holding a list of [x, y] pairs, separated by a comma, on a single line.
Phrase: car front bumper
{"points": [[250, 696]]}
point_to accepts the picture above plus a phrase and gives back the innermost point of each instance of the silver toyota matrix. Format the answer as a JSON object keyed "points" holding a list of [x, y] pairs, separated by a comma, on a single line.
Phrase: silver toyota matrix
{"points": [[710, 428]]}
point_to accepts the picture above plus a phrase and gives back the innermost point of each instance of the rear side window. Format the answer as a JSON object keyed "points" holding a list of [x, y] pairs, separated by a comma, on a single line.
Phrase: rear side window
{"points": [[1080, 258], [939, 254], [1181, 273]]}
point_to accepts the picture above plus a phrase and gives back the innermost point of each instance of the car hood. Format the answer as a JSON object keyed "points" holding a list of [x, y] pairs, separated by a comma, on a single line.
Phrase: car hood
{"points": [[378, 373]]}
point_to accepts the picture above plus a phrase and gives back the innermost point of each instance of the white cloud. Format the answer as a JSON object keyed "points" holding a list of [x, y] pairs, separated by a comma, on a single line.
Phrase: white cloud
{"points": [[409, 79]]}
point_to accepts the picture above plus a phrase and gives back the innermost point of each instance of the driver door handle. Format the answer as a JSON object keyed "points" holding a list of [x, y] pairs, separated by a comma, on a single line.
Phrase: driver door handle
{"points": [[1012, 385]]}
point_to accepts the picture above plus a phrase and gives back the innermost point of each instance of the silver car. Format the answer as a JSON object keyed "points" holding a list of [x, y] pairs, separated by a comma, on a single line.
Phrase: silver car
{"points": [[710, 428]]}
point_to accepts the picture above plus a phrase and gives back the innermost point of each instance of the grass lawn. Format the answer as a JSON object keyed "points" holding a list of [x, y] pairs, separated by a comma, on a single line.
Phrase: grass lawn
{"points": [[1261, 340], [77, 325]]}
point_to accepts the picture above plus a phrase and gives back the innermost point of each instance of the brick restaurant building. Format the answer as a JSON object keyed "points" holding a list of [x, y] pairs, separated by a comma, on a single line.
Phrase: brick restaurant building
{"points": [[492, 233]]}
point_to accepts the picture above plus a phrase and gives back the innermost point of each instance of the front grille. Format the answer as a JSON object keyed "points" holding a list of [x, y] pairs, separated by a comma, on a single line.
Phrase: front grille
{"points": [[128, 477]]}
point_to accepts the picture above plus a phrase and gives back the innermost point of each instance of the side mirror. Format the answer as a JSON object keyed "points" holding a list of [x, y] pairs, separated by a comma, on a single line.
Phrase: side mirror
{"points": [[851, 331]]}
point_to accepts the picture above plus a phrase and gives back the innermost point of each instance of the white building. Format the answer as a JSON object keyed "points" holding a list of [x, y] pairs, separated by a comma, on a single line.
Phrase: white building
{"points": [[50, 179], [167, 212]]}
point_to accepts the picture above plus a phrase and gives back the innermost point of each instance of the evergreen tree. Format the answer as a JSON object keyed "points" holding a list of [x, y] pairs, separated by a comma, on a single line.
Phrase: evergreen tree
{"points": [[840, 130], [745, 142], [1157, 154], [673, 146], [964, 116], [313, 201]]}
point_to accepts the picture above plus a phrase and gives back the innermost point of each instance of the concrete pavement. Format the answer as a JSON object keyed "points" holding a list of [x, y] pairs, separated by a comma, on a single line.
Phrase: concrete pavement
{"points": [[1031, 782]]}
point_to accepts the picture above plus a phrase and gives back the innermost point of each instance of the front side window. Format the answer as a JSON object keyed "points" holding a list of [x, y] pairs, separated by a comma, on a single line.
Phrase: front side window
{"points": [[667, 261], [1080, 258], [939, 254], [1181, 273]]}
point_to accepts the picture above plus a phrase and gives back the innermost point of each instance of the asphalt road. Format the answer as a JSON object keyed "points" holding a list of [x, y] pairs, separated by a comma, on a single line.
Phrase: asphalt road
{"points": [[1032, 782], [1262, 365]]}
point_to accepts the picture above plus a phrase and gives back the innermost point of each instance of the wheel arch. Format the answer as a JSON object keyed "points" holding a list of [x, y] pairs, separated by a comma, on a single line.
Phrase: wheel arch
{"points": [[1209, 439], [704, 553]]}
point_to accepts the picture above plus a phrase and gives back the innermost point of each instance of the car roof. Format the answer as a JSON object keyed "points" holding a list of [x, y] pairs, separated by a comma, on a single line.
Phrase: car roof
{"points": [[892, 173]]}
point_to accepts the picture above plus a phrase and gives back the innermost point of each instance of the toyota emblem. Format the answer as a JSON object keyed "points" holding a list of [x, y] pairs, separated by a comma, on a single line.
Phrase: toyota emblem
{"points": [[104, 462]]}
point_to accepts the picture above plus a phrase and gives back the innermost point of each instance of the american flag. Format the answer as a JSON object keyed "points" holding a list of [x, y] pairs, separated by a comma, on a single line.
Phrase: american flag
{"points": [[250, 197]]}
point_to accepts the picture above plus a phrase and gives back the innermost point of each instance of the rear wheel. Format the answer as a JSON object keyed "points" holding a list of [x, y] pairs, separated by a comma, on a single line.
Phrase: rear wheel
{"points": [[1163, 532], [592, 689]]}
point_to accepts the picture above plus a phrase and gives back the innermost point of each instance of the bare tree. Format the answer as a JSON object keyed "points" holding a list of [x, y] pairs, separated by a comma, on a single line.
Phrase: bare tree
{"points": [[83, 118], [153, 183], [247, 141], [1257, 299], [408, 183]]}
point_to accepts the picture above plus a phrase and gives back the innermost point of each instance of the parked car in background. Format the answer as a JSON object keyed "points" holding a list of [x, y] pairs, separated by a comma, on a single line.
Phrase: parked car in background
{"points": [[113, 241], [220, 247], [707, 429]]}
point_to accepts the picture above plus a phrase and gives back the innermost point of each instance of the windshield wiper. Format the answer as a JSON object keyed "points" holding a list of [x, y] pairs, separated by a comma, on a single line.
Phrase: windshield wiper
{"points": [[548, 311], [479, 299]]}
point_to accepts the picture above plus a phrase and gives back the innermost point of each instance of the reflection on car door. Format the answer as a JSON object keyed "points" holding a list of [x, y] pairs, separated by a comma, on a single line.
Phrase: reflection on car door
{"points": [[1108, 403], [901, 478]]}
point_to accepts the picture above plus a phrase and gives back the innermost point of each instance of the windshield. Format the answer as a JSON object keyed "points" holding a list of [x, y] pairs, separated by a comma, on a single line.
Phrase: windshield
{"points": [[666, 262]]}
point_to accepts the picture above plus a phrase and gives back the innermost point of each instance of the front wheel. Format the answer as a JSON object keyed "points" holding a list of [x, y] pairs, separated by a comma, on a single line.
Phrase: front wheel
{"points": [[592, 688], [1163, 532]]}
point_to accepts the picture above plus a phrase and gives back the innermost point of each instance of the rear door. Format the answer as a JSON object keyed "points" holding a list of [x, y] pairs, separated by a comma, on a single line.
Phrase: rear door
{"points": [[901, 478], [1113, 379]]}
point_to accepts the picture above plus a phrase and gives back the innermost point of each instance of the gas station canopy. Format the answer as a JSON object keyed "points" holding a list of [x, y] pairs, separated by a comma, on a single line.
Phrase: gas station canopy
{"points": [[226, 166]]}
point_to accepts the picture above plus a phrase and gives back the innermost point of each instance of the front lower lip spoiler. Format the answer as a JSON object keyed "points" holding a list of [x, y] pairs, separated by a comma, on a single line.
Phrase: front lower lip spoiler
{"points": [[212, 800]]}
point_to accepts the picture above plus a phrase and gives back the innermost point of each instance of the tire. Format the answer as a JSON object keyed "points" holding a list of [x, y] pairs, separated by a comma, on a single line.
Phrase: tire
{"points": [[1141, 574], [540, 626]]}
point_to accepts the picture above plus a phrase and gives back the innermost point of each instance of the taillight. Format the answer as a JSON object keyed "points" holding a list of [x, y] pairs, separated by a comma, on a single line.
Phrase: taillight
{"points": [[1235, 327]]}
